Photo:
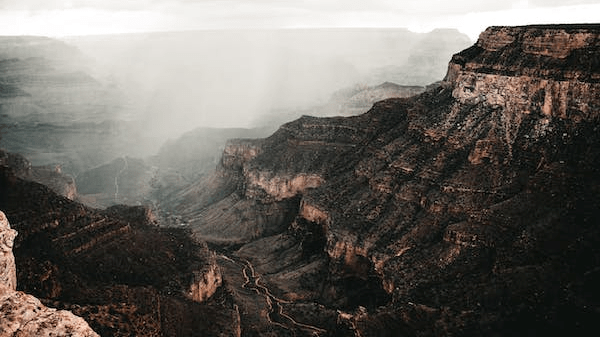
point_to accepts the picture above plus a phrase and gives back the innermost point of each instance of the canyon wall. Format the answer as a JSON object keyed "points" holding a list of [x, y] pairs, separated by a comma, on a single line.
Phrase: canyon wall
{"points": [[205, 281], [115, 268], [547, 70]]}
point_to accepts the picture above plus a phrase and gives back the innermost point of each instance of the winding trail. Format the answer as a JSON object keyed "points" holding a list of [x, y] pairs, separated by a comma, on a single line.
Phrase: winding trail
{"points": [[125, 166], [259, 303]]}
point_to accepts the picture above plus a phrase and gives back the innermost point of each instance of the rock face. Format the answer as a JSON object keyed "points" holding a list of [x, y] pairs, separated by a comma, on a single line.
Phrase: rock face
{"points": [[25, 315], [8, 272], [539, 70], [206, 281], [470, 209]]}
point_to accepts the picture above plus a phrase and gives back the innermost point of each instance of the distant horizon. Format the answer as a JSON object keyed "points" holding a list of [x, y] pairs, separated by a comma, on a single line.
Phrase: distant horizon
{"points": [[230, 29], [60, 18]]}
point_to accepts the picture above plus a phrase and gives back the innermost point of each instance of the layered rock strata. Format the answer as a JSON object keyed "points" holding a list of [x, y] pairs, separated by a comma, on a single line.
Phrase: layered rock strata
{"points": [[205, 282]]}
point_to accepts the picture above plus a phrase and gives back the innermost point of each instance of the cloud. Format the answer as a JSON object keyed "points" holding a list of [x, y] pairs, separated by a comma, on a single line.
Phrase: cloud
{"points": [[109, 5], [559, 3], [408, 6], [55, 17]]}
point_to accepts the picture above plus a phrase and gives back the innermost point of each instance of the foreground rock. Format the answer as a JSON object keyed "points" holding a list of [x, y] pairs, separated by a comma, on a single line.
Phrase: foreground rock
{"points": [[25, 315], [8, 271]]}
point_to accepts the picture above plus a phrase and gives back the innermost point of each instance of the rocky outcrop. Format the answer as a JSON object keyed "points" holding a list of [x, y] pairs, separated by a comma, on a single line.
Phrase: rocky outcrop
{"points": [[25, 315], [238, 151], [55, 179], [22, 314], [312, 213], [279, 187], [535, 69], [205, 281], [8, 272]]}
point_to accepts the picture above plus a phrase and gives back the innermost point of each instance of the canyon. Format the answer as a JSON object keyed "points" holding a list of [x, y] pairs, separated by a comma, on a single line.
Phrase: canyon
{"points": [[468, 209]]}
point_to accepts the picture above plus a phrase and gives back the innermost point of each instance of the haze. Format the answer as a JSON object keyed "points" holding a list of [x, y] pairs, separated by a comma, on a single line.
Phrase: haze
{"points": [[174, 66], [177, 81], [136, 91], [84, 17]]}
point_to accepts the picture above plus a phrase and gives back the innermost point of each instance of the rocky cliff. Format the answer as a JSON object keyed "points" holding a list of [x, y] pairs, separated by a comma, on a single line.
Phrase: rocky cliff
{"points": [[25, 315], [471, 209]]}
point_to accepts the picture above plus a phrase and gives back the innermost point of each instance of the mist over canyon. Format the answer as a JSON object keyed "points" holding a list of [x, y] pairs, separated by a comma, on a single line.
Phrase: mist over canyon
{"points": [[91, 100], [384, 184]]}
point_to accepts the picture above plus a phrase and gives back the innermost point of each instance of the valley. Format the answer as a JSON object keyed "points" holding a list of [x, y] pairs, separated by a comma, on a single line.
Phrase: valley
{"points": [[463, 206]]}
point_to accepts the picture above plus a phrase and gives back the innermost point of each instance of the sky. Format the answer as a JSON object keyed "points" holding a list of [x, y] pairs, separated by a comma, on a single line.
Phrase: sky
{"points": [[57, 18]]}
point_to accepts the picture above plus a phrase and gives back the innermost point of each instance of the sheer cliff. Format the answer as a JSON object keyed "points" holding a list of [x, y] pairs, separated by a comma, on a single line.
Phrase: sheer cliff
{"points": [[470, 209]]}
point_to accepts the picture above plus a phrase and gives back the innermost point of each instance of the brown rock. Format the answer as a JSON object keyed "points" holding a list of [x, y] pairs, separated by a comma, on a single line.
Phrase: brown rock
{"points": [[8, 272], [25, 315]]}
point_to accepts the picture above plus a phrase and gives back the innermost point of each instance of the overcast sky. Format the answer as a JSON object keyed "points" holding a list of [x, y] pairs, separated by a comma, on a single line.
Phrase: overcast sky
{"points": [[84, 17]]}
